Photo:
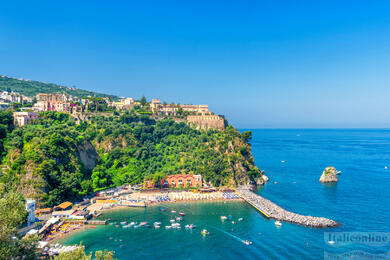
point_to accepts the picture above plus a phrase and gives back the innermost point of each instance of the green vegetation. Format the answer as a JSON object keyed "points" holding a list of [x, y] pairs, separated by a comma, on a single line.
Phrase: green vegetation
{"points": [[31, 88], [12, 215], [79, 254], [47, 161]]}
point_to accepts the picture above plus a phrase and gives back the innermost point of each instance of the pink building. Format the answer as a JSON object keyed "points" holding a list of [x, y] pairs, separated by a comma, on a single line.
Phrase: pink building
{"points": [[24, 118]]}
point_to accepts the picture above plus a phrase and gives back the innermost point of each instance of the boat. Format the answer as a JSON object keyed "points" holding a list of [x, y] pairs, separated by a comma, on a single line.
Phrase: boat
{"points": [[182, 214], [92, 227], [223, 218], [168, 227], [157, 223], [233, 222], [190, 226], [385, 167], [123, 222], [155, 226], [247, 242], [240, 219], [205, 232], [179, 218], [143, 223], [338, 172], [172, 221], [173, 211], [163, 209], [278, 223], [283, 161], [331, 242]]}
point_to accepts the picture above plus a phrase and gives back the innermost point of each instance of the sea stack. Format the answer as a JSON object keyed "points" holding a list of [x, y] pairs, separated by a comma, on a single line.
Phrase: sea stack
{"points": [[329, 175]]}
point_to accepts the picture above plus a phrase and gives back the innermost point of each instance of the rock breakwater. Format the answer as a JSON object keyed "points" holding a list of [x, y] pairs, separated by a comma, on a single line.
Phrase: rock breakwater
{"points": [[273, 211]]}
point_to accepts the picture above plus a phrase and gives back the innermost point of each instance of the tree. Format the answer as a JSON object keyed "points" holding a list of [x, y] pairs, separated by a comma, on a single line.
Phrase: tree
{"points": [[80, 254], [12, 215], [143, 101]]}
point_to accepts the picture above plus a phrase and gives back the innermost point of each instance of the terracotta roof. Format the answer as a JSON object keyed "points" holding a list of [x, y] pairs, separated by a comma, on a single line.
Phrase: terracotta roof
{"points": [[65, 205]]}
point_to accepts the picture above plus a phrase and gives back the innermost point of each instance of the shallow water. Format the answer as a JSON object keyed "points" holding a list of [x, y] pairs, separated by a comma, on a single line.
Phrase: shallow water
{"points": [[359, 201]]}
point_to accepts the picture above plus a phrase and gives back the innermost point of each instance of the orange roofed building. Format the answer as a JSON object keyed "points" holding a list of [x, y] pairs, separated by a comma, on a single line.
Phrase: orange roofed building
{"points": [[176, 181]]}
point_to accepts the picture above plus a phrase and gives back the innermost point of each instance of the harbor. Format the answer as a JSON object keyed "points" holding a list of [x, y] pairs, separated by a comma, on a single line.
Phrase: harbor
{"points": [[272, 211]]}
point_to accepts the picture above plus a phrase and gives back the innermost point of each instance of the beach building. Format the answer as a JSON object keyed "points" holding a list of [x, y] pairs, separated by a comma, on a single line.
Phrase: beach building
{"points": [[24, 118], [63, 206], [63, 213], [176, 181], [40, 212]]}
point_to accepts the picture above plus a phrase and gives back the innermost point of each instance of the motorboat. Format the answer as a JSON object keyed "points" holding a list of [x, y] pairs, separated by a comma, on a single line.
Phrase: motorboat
{"points": [[179, 218], [278, 223], [223, 218], [172, 221], [338, 172], [331, 242], [124, 222], [157, 223], [205, 232], [143, 223], [247, 242], [190, 226], [240, 219], [182, 214], [163, 209], [173, 211], [168, 227]]}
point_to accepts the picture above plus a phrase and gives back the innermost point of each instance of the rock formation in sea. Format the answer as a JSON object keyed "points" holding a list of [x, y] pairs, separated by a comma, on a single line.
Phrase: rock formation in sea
{"points": [[329, 175]]}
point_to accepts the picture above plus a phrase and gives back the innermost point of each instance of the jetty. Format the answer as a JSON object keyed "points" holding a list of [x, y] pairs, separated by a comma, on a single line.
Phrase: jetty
{"points": [[272, 211]]}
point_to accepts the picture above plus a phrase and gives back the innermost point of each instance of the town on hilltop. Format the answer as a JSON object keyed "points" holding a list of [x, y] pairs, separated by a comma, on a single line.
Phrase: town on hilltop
{"points": [[27, 109]]}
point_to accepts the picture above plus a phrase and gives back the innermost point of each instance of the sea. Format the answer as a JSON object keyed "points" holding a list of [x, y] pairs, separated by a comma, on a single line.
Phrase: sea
{"points": [[293, 160]]}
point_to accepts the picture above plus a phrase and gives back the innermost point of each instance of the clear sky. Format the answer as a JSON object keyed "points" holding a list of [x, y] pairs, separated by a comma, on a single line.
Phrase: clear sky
{"points": [[264, 64]]}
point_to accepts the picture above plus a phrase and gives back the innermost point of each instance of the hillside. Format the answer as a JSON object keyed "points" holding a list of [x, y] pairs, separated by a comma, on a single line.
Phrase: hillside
{"points": [[31, 88], [56, 160]]}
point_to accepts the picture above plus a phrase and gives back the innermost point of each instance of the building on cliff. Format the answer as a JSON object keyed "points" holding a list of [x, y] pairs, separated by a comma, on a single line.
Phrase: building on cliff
{"points": [[172, 109], [205, 122], [52, 102], [176, 181], [24, 118]]}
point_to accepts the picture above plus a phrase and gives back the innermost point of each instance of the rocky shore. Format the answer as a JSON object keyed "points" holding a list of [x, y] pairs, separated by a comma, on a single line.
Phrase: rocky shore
{"points": [[273, 211]]}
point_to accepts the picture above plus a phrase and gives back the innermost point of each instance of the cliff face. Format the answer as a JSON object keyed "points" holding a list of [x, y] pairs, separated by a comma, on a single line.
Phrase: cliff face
{"points": [[205, 122], [88, 155]]}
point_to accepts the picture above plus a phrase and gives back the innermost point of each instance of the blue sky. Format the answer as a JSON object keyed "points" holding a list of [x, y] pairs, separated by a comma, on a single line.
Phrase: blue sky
{"points": [[264, 64]]}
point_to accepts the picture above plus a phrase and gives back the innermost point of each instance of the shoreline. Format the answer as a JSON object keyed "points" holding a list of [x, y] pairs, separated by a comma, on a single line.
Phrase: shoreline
{"points": [[125, 207]]}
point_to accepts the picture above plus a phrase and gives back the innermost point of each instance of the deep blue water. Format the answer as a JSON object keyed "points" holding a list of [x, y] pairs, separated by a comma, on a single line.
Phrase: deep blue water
{"points": [[360, 201]]}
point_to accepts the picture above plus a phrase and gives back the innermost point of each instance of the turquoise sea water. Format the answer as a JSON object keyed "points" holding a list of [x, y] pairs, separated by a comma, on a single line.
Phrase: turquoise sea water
{"points": [[360, 201]]}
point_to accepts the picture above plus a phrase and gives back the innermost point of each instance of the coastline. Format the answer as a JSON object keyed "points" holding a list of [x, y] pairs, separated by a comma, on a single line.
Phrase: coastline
{"points": [[116, 207]]}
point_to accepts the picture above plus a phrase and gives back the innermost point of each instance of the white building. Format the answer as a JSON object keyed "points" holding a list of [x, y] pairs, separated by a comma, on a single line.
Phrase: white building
{"points": [[30, 207]]}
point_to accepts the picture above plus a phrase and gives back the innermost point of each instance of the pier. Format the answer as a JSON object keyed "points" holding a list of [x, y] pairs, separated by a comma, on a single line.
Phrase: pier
{"points": [[272, 211]]}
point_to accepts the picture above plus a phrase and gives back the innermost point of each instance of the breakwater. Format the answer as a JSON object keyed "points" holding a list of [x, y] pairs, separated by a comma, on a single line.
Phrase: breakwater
{"points": [[273, 211]]}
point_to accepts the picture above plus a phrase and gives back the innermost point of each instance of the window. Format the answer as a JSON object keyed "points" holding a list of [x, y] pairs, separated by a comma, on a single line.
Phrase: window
{"points": [[173, 182]]}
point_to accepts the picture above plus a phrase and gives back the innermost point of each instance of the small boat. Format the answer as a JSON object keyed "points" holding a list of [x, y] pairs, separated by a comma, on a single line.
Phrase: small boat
{"points": [[247, 242], [163, 209], [278, 223], [172, 221], [282, 161], [173, 211], [240, 219], [143, 223], [179, 218], [157, 223], [168, 227], [123, 222], [155, 226], [331, 242], [223, 217], [182, 214], [338, 172], [385, 167], [190, 226], [92, 227], [233, 222], [116, 225], [205, 232], [148, 226], [136, 226]]}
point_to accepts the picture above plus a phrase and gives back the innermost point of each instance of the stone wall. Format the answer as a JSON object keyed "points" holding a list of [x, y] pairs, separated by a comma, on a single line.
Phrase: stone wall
{"points": [[207, 122]]}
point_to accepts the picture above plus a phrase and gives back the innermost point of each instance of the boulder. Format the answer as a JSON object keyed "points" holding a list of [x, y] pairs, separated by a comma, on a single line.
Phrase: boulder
{"points": [[329, 175]]}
